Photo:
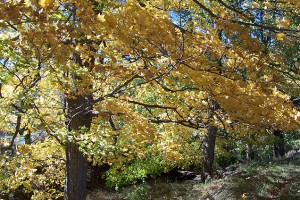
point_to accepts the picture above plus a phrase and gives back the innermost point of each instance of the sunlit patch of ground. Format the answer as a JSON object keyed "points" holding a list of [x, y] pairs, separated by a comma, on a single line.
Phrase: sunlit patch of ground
{"points": [[262, 181]]}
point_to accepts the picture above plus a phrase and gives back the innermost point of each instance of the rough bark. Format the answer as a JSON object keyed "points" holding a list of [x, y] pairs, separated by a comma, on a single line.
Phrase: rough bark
{"points": [[76, 163], [76, 168], [209, 143], [279, 144], [209, 151]]}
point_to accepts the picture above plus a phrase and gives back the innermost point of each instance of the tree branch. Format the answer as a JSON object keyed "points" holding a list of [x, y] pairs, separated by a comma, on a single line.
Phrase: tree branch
{"points": [[235, 10], [151, 105], [185, 123], [206, 9], [18, 125], [272, 28]]}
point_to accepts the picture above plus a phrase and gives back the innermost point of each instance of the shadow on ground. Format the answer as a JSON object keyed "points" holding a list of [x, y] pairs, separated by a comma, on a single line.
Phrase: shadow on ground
{"points": [[262, 181]]}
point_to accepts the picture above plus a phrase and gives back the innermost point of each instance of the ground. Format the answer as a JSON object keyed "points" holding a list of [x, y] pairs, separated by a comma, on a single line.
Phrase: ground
{"points": [[277, 179]]}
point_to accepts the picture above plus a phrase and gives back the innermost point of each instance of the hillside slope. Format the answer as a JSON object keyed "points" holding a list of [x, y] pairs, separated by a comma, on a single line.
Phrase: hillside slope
{"points": [[257, 180]]}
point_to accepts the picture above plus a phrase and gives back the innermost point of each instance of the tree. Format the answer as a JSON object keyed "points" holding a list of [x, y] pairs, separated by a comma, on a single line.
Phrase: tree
{"points": [[86, 75], [83, 70]]}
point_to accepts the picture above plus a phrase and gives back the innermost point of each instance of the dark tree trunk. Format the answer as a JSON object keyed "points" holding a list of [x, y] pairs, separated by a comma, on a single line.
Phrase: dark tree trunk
{"points": [[76, 168], [209, 142], [27, 138], [279, 145], [79, 115]]}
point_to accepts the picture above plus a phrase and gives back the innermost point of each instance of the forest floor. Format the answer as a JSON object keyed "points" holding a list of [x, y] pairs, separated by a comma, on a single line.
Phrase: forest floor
{"points": [[278, 179]]}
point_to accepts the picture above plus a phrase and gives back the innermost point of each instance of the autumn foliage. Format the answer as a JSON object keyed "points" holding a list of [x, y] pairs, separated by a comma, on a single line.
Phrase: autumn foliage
{"points": [[121, 80]]}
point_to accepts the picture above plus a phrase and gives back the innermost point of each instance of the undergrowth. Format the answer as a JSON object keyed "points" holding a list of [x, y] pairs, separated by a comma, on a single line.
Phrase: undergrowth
{"points": [[278, 179]]}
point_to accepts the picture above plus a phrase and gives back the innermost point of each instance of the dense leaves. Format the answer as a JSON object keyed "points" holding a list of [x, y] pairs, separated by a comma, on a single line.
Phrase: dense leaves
{"points": [[124, 79]]}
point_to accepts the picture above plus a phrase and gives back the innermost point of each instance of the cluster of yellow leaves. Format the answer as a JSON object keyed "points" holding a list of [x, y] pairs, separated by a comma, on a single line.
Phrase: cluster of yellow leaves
{"points": [[178, 146], [135, 28], [295, 3], [37, 168], [45, 3], [132, 135]]}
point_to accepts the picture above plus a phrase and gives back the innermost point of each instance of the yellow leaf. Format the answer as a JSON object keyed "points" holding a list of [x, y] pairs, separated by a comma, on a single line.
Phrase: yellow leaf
{"points": [[255, 4], [23, 149], [284, 23], [280, 36], [268, 5], [100, 18], [297, 64], [223, 14], [45, 3]]}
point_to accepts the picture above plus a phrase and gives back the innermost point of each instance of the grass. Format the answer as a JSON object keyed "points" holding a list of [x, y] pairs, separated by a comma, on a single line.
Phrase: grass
{"points": [[272, 180], [258, 180]]}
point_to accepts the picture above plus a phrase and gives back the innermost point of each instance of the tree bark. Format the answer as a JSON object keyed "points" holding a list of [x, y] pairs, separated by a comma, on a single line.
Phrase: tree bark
{"points": [[250, 154], [209, 151], [27, 138], [76, 168], [209, 143], [79, 116], [279, 144]]}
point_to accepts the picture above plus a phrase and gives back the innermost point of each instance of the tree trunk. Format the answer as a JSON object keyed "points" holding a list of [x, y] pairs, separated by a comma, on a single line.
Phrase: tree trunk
{"points": [[250, 154], [79, 115], [76, 168], [209, 151], [209, 143], [27, 138], [279, 144]]}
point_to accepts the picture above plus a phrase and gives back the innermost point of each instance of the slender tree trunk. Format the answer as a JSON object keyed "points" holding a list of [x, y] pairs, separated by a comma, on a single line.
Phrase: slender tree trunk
{"points": [[209, 143], [279, 144], [250, 154], [76, 164], [27, 138]]}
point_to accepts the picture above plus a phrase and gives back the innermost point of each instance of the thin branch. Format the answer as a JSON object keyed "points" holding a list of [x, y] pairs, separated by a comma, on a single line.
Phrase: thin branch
{"points": [[272, 28], [151, 105], [117, 89], [180, 122], [206, 9], [235, 10], [12, 26], [1, 96], [17, 131], [175, 90], [112, 124]]}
